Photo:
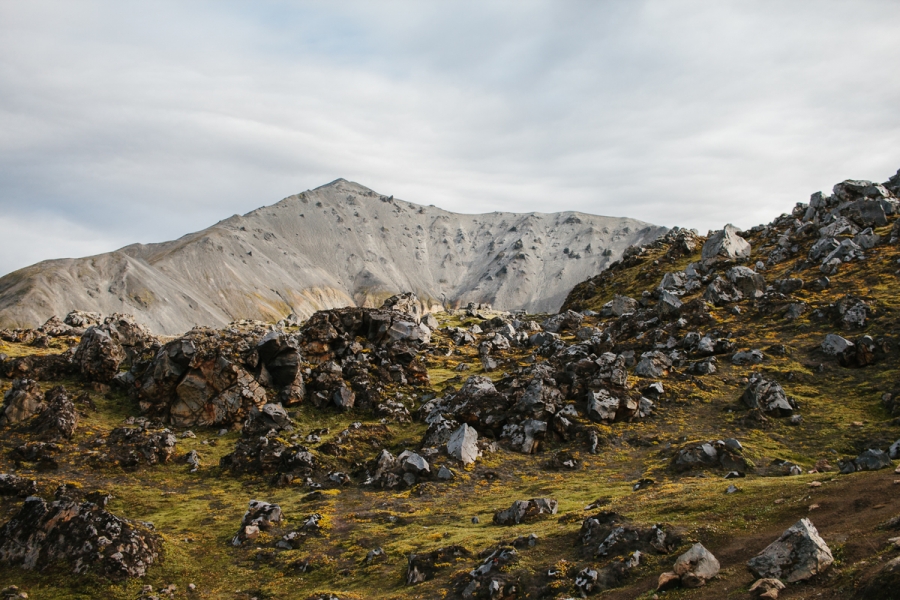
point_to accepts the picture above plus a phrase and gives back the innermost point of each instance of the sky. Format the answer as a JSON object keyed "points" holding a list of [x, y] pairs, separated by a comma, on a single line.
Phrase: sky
{"points": [[125, 121]]}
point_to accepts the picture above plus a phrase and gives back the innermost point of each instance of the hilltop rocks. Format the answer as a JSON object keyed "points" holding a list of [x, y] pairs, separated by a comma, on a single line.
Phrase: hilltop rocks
{"points": [[21, 402], [692, 569], [748, 282], [103, 348], [525, 510], [768, 396], [725, 245], [570, 320], [795, 556], [84, 536], [259, 516], [82, 319]]}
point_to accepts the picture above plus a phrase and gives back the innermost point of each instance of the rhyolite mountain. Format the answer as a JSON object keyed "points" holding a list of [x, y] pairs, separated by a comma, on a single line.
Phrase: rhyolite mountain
{"points": [[337, 245]]}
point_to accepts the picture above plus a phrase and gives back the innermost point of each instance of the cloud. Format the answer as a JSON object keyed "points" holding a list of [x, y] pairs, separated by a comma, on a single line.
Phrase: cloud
{"points": [[139, 123]]}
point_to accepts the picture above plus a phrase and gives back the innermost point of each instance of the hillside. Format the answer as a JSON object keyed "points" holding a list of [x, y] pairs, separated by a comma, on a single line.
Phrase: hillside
{"points": [[338, 245], [720, 390]]}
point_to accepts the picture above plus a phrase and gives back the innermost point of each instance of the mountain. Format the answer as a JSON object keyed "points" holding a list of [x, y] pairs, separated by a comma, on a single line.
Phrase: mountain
{"points": [[337, 245]]}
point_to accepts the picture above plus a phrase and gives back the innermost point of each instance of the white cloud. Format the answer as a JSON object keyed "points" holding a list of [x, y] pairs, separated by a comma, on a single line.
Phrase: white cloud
{"points": [[143, 122]]}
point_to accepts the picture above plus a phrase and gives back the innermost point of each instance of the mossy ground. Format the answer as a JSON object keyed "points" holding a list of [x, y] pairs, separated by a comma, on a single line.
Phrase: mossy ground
{"points": [[198, 513]]}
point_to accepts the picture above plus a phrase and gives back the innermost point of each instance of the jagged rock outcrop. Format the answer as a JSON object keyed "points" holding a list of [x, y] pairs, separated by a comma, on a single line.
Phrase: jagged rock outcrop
{"points": [[800, 553], [82, 535], [21, 402]]}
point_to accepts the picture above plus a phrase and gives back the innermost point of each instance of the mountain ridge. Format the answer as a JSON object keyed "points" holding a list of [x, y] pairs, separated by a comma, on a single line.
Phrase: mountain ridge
{"points": [[337, 245]]}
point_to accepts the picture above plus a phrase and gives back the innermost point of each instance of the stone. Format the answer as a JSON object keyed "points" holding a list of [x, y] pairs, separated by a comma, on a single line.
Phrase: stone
{"points": [[696, 566], [653, 364], [798, 554], [463, 444], [525, 510], [669, 306], [721, 292], [568, 320], [413, 463], [768, 396], [601, 406], [83, 536], [725, 244], [618, 306], [60, 418], [751, 284], [835, 345], [13, 485], [99, 355], [747, 357], [263, 419], [425, 565], [884, 584], [130, 447], [788, 286], [83, 319], [872, 460], [259, 516], [766, 588], [21, 402]]}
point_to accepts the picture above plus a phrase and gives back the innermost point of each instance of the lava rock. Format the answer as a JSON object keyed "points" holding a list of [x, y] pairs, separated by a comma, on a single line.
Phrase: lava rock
{"points": [[800, 553]]}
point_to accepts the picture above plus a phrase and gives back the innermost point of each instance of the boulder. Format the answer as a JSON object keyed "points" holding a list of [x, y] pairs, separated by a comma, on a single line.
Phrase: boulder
{"points": [[788, 286], [570, 320], [669, 306], [747, 357], [130, 447], [799, 554], [768, 396], [84, 536], [13, 485], [424, 565], [60, 418], [721, 292], [872, 460], [835, 345], [259, 516], [748, 282], [618, 306], [725, 245], [21, 402], [266, 418], [463, 444], [525, 510], [99, 355], [601, 406], [696, 566], [653, 364], [82, 320]]}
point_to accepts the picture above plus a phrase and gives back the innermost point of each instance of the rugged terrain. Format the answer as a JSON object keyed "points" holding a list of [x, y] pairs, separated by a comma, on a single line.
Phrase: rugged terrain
{"points": [[338, 245], [725, 392]]}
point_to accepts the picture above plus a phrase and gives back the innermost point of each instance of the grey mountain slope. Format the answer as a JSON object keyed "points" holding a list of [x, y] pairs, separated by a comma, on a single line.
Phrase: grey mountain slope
{"points": [[337, 245]]}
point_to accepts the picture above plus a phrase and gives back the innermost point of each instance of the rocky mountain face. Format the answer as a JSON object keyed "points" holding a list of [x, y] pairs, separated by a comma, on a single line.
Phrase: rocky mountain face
{"points": [[338, 245]]}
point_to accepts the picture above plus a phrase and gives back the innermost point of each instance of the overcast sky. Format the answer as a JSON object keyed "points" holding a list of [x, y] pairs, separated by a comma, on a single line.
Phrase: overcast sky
{"points": [[127, 122]]}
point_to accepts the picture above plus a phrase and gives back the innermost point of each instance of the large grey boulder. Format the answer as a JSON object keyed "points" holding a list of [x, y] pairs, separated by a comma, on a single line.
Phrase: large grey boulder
{"points": [[751, 284], [568, 320], [619, 306], [835, 345], [696, 566], [800, 553], [21, 402], [653, 364], [725, 245], [768, 396], [463, 444]]}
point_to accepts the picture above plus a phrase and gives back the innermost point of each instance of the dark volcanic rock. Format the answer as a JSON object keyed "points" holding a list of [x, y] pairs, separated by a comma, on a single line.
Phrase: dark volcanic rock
{"points": [[21, 402], [523, 510], [768, 396], [84, 536], [133, 446], [13, 485], [99, 355], [423, 566], [60, 418]]}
